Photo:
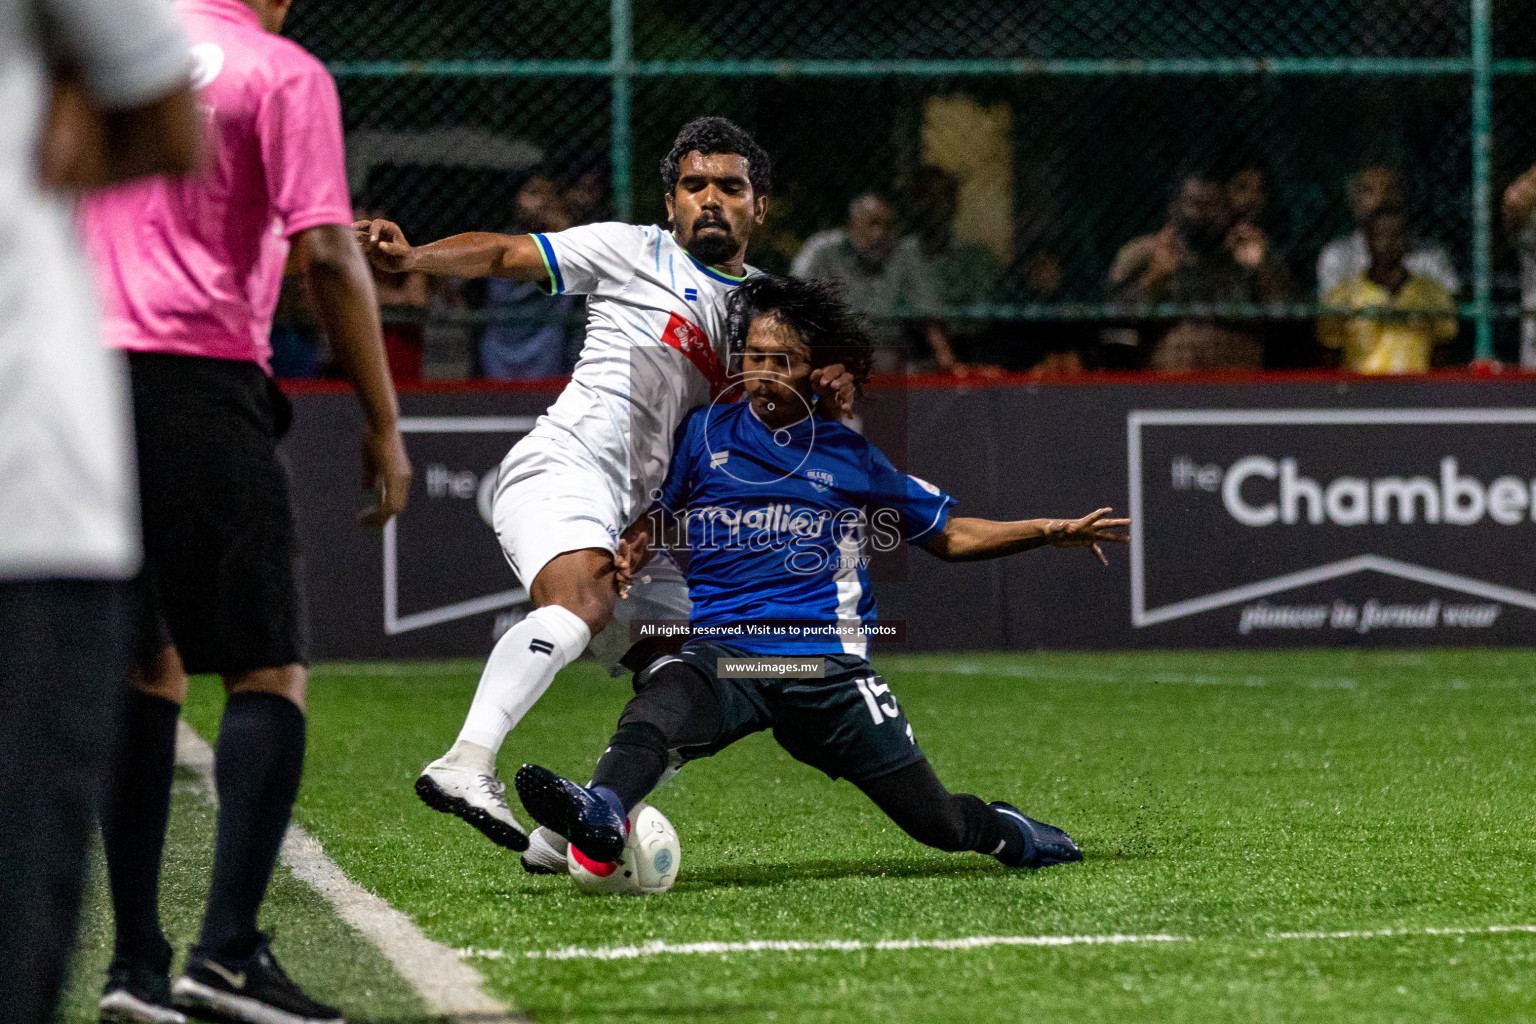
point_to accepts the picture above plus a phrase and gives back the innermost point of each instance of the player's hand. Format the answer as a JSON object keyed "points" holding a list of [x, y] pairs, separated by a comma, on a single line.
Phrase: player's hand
{"points": [[384, 244], [387, 473], [632, 555], [1087, 532], [625, 565], [835, 385]]}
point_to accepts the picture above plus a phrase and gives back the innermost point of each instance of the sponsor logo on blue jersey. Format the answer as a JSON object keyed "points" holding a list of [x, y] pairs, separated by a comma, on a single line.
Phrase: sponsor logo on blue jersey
{"points": [[784, 529], [925, 485]]}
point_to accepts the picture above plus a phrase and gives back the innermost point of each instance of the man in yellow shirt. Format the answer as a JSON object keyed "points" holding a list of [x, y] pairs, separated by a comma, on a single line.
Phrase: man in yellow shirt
{"points": [[1402, 316]]}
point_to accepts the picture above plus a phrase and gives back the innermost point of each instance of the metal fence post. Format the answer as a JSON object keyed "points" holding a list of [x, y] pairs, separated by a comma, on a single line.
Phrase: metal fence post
{"points": [[1482, 146], [621, 66]]}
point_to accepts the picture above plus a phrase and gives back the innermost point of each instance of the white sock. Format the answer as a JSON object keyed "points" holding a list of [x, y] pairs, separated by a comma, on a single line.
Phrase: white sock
{"points": [[473, 756], [521, 666]]}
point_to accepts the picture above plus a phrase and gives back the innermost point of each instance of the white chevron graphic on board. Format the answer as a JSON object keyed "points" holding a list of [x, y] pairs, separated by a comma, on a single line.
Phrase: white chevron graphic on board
{"points": [[1333, 571]]}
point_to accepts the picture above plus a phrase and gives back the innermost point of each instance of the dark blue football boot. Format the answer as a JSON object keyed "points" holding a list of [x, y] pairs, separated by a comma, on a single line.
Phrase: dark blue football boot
{"points": [[1038, 845], [592, 819]]}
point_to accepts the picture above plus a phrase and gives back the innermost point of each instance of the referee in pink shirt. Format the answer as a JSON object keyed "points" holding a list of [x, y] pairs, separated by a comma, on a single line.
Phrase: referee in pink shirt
{"points": [[188, 272]]}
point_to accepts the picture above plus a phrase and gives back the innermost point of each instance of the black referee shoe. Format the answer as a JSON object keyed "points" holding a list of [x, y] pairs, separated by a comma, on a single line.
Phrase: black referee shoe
{"points": [[137, 994], [254, 990]]}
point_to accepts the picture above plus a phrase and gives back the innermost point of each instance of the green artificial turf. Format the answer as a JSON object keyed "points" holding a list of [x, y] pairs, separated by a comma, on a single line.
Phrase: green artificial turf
{"points": [[329, 958], [1225, 798]]}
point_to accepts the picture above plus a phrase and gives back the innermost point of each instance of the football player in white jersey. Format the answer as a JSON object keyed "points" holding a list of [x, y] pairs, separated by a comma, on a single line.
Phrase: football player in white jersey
{"points": [[655, 348]]}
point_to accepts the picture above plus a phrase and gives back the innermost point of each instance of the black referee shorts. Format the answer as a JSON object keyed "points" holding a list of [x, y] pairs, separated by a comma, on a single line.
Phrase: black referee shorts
{"points": [[220, 544], [847, 724]]}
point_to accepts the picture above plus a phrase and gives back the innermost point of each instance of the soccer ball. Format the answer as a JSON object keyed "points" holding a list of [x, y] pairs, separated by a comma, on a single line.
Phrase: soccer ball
{"points": [[648, 864]]}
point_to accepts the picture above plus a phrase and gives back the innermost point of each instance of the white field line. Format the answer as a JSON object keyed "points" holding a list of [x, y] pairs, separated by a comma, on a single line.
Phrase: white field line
{"points": [[1398, 933], [825, 945], [650, 949], [445, 983]]}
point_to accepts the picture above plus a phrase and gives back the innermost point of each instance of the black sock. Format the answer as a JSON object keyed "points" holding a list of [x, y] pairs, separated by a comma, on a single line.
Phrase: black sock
{"points": [[133, 822], [258, 762], [995, 834], [634, 762], [916, 800]]}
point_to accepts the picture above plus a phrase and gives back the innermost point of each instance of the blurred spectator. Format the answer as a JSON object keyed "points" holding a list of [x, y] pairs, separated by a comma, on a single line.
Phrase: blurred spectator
{"points": [[531, 333], [1061, 363], [402, 307], [1201, 257], [586, 196], [1247, 193], [1520, 219], [1040, 274], [1403, 315], [1371, 190], [964, 273], [777, 241], [1288, 343], [299, 348], [890, 284], [450, 339], [584, 181]]}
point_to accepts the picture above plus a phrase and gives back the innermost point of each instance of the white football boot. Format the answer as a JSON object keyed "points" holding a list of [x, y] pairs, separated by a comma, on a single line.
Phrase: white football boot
{"points": [[546, 853], [477, 797]]}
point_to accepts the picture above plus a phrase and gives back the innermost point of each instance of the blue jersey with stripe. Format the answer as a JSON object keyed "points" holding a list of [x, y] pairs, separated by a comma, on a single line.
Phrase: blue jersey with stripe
{"points": [[780, 525]]}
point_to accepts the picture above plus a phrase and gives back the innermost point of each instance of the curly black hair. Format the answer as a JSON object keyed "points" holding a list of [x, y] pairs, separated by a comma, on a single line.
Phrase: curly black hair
{"points": [[814, 310], [709, 135]]}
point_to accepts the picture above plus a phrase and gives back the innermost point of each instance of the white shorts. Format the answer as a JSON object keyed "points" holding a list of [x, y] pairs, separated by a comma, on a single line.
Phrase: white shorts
{"points": [[548, 502], [660, 592]]}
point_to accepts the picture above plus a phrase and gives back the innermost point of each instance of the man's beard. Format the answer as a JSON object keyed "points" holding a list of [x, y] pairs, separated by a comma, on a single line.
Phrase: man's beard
{"points": [[711, 248]]}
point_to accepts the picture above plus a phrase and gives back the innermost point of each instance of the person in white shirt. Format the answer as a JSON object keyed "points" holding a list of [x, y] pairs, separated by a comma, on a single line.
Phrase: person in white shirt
{"points": [[1520, 220], [887, 280], [1372, 190], [655, 349], [69, 528]]}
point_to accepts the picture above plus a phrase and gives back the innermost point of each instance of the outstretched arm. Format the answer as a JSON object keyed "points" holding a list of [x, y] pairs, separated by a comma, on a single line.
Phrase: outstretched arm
{"points": [[472, 254], [972, 540]]}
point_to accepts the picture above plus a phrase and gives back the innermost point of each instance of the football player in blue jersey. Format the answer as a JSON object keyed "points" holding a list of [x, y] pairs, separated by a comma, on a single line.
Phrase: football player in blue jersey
{"points": [[777, 507]]}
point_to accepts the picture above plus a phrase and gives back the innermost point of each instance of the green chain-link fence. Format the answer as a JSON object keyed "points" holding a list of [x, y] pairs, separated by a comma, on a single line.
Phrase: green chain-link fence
{"points": [[1065, 122]]}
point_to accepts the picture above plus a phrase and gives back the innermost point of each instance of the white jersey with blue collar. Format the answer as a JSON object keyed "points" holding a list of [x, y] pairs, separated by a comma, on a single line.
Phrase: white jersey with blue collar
{"points": [[655, 348]]}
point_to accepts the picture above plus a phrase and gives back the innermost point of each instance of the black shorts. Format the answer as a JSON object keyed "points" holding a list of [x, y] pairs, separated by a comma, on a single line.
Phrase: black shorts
{"points": [[847, 724], [220, 544]]}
